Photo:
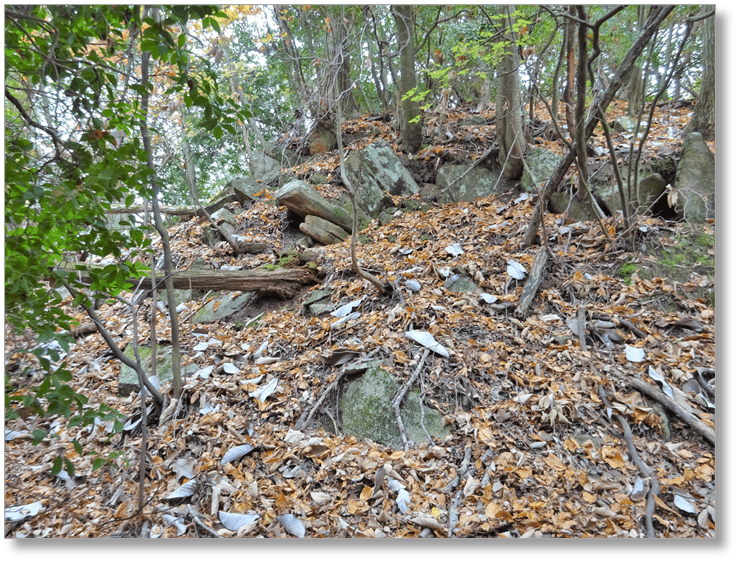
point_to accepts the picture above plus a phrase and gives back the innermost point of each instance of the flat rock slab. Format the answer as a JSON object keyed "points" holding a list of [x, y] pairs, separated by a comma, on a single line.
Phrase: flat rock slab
{"points": [[221, 307]]}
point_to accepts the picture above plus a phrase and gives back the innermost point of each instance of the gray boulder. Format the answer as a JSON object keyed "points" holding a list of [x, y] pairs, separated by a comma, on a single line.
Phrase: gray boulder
{"points": [[480, 182], [303, 200], [263, 167], [216, 309], [623, 125], [542, 163], [322, 230], [243, 188], [696, 180], [650, 188], [375, 171], [367, 412]]}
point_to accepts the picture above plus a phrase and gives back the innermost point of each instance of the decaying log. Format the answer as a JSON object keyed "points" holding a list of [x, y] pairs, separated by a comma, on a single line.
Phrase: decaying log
{"points": [[181, 210], [532, 285], [283, 283]]}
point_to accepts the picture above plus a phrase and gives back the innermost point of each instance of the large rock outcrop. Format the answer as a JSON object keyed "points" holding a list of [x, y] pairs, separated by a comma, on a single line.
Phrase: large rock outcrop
{"points": [[695, 182], [479, 182], [376, 171]]}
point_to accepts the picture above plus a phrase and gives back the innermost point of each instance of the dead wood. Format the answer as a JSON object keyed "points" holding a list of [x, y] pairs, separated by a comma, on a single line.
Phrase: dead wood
{"points": [[533, 282], [283, 283], [686, 417], [177, 210], [645, 471]]}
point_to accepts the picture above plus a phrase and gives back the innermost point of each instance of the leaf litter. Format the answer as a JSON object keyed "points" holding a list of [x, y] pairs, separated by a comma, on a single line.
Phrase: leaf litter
{"points": [[533, 449]]}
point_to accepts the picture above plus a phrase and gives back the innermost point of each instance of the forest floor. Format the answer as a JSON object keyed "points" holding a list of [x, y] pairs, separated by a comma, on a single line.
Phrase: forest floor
{"points": [[533, 448]]}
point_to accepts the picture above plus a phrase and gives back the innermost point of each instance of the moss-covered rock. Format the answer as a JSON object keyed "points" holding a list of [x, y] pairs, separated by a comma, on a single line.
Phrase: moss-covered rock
{"points": [[367, 412]]}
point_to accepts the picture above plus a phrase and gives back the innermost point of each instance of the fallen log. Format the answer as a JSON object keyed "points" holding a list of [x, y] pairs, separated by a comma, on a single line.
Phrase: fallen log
{"points": [[282, 283], [180, 210], [686, 417]]}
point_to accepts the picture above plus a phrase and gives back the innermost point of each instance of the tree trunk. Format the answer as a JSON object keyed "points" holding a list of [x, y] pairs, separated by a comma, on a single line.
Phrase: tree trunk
{"points": [[579, 132], [411, 134], [569, 94], [703, 120], [236, 89], [174, 321], [636, 84], [556, 91], [509, 104]]}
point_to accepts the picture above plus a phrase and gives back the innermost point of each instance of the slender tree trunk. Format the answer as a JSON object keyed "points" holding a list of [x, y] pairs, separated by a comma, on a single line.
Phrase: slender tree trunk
{"points": [[509, 105], [569, 93], [236, 89], [556, 91], [174, 321], [703, 120], [411, 131], [635, 89], [579, 132]]}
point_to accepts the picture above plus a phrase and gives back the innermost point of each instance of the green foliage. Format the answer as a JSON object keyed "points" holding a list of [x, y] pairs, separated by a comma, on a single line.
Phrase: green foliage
{"points": [[73, 149], [626, 271]]}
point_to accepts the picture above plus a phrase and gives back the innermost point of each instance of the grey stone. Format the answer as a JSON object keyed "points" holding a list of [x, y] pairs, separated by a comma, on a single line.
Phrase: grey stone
{"points": [[375, 171], [576, 211], [263, 167], [243, 188], [479, 182], [650, 188], [460, 284], [224, 215], [317, 295], [624, 125], [304, 200], [696, 180], [367, 413], [227, 305], [323, 231], [542, 163], [320, 308]]}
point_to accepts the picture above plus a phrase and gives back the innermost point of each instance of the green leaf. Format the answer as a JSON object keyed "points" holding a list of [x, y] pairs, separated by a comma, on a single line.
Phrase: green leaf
{"points": [[38, 436]]}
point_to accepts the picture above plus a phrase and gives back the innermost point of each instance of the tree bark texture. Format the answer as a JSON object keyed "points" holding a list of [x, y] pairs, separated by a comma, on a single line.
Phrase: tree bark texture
{"points": [[411, 134], [508, 107], [703, 120]]}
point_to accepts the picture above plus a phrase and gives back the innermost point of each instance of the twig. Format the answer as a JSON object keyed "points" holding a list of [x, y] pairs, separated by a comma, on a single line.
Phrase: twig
{"points": [[458, 496], [645, 471], [400, 396], [636, 331], [698, 375], [202, 525], [581, 328], [302, 423]]}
